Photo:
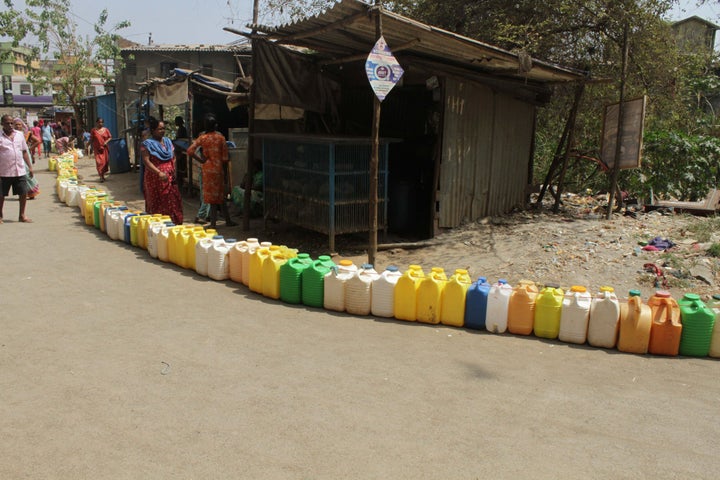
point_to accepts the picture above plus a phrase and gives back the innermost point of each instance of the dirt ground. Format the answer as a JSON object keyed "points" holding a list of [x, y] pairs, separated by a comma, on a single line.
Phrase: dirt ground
{"points": [[577, 246], [114, 365]]}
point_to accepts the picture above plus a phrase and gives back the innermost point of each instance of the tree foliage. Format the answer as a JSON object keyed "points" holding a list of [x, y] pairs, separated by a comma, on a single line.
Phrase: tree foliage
{"points": [[74, 60]]}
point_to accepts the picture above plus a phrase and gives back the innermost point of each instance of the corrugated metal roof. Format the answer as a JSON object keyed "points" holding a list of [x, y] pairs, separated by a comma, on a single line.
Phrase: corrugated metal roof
{"points": [[189, 48], [348, 29]]}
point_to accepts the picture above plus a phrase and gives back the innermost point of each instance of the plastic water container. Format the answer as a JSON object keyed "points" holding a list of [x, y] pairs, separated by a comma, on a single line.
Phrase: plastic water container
{"points": [[271, 272], [218, 264], [358, 290], [334, 285], [521, 308], [476, 304], [313, 279], [235, 257], [291, 278], [497, 306], [698, 321], [429, 296], [197, 234], [202, 251], [452, 303], [135, 229], [604, 319], [548, 309], [635, 325], [126, 232], [153, 234], [256, 263], [71, 196], [163, 241], [382, 303], [113, 217], [252, 245], [406, 293], [575, 315], [666, 327], [714, 304]]}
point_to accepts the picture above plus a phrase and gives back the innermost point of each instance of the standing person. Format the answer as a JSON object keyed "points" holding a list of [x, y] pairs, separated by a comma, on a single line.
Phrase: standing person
{"points": [[30, 139], [181, 131], [46, 134], [215, 158], [162, 194], [100, 136], [38, 148], [15, 164]]}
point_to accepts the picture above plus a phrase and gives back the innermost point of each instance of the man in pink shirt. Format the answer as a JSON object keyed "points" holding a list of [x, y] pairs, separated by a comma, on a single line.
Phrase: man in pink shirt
{"points": [[14, 165]]}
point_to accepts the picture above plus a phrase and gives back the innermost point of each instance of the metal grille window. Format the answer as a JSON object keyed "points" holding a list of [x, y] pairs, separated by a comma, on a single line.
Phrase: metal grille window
{"points": [[25, 89]]}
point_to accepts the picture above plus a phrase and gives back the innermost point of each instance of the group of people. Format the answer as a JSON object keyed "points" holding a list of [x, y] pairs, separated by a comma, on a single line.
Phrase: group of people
{"points": [[159, 172], [158, 169]]}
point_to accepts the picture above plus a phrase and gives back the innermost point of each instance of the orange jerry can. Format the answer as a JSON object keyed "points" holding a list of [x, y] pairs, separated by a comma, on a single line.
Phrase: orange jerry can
{"points": [[666, 329]]}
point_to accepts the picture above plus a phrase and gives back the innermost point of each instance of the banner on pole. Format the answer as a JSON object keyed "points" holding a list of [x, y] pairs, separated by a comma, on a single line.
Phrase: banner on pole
{"points": [[382, 69]]}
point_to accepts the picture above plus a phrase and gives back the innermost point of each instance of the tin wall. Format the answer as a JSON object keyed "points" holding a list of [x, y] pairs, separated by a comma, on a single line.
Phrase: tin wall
{"points": [[487, 141]]}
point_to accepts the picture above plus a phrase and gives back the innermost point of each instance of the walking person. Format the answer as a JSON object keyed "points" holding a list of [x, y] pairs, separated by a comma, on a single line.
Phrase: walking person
{"points": [[215, 158], [47, 138], [100, 136], [15, 164], [37, 151], [158, 174]]}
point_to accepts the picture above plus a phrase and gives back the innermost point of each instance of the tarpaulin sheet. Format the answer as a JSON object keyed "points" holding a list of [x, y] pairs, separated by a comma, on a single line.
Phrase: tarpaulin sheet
{"points": [[286, 78]]}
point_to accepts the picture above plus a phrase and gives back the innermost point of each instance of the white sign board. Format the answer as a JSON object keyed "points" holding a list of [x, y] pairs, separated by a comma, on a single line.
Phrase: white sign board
{"points": [[382, 69]]}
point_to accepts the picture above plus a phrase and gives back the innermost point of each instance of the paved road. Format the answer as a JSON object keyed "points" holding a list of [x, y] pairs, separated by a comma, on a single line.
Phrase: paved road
{"points": [[114, 365]]}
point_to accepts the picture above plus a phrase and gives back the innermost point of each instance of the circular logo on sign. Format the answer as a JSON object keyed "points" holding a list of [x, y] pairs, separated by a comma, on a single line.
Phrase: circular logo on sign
{"points": [[382, 72]]}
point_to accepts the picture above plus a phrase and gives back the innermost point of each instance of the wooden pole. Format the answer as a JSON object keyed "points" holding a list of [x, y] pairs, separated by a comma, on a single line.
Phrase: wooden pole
{"points": [[374, 157], [247, 198], [618, 139]]}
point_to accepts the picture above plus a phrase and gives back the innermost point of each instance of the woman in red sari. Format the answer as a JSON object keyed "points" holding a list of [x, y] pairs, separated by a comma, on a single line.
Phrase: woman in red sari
{"points": [[100, 136], [158, 174], [214, 159]]}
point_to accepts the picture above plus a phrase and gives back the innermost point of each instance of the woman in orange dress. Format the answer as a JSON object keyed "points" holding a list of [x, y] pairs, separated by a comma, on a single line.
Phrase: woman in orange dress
{"points": [[32, 143], [214, 159], [158, 174], [99, 137]]}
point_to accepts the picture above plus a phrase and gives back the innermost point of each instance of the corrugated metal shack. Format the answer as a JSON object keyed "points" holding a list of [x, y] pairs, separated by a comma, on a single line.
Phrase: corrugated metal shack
{"points": [[464, 112]]}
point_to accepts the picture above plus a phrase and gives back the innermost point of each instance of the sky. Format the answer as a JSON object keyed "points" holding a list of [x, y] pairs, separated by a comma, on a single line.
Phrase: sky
{"points": [[202, 21]]}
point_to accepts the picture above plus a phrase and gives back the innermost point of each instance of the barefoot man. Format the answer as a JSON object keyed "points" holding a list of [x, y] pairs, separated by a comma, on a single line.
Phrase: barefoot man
{"points": [[14, 165]]}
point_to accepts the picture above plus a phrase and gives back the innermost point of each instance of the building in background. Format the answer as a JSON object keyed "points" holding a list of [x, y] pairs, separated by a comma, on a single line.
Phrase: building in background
{"points": [[20, 98]]}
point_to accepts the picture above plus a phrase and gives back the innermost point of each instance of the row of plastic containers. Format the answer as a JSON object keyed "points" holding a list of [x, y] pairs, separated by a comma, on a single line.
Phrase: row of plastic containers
{"points": [[660, 326]]}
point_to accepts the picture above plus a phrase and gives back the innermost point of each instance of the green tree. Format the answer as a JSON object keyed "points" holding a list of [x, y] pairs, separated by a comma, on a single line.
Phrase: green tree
{"points": [[74, 60]]}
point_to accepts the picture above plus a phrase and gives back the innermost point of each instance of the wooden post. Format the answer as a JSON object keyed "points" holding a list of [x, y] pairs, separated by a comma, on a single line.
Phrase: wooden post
{"points": [[374, 157], [618, 140], [570, 140], [247, 198]]}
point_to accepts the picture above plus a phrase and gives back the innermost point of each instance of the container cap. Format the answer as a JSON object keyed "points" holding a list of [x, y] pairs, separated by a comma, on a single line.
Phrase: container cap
{"points": [[634, 293], [367, 266], [345, 263], [502, 281], [552, 285], [231, 240], [392, 268], [414, 267], [324, 258], [461, 271], [169, 224], [578, 288], [437, 269], [303, 255], [252, 240], [217, 237], [662, 294], [691, 296], [605, 288], [482, 279]]}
